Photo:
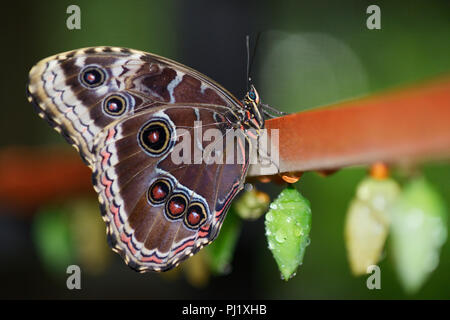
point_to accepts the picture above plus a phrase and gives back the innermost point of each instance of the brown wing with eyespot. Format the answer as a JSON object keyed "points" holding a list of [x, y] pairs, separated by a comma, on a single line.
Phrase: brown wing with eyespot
{"points": [[71, 90], [159, 210]]}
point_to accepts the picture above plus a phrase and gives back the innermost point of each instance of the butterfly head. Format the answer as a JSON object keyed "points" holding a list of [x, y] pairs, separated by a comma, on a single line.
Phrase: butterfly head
{"points": [[252, 104], [252, 96]]}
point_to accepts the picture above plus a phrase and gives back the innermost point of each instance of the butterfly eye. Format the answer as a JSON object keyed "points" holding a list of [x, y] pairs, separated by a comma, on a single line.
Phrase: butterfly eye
{"points": [[92, 76], [155, 137], [196, 215], [159, 191], [176, 206], [115, 105]]}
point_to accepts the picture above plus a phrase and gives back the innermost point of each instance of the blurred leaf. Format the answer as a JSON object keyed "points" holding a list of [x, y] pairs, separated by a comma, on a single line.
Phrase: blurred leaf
{"points": [[367, 222], [288, 223], [418, 231], [221, 251], [196, 269], [252, 204], [52, 236], [89, 239]]}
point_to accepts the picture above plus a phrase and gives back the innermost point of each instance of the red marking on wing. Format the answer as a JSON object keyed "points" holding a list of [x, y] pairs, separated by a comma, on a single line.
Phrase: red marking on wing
{"points": [[151, 258], [107, 183], [127, 240], [115, 211], [111, 134], [204, 232], [105, 157], [184, 246]]}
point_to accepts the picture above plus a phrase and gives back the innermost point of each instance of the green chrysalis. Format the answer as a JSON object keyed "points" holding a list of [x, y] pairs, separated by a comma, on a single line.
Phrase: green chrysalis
{"points": [[367, 222], [252, 204], [288, 224], [418, 231]]}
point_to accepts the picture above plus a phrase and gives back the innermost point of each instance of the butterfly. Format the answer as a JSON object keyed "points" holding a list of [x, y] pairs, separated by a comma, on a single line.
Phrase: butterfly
{"points": [[127, 113]]}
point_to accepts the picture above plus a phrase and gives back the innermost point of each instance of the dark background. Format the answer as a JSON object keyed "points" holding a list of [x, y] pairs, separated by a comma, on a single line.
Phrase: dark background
{"points": [[311, 53]]}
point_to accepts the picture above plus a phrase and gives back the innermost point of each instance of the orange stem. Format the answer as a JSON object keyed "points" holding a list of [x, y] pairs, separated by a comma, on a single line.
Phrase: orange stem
{"points": [[31, 177], [399, 127]]}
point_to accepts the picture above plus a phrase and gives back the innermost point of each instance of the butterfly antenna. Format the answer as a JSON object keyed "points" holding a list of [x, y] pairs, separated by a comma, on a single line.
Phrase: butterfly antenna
{"points": [[251, 59], [247, 43]]}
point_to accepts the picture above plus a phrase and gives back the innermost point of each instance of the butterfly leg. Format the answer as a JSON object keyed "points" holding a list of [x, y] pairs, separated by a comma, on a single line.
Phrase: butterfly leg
{"points": [[271, 112]]}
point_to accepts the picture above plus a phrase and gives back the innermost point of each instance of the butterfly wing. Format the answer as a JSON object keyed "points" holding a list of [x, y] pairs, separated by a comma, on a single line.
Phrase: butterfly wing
{"points": [[125, 111], [74, 90], [158, 209]]}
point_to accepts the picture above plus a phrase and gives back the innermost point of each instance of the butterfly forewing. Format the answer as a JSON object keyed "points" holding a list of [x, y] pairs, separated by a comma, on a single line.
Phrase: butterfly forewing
{"points": [[71, 89], [130, 114]]}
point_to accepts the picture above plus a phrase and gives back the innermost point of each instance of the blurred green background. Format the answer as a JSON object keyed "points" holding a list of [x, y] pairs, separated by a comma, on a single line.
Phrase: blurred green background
{"points": [[310, 54]]}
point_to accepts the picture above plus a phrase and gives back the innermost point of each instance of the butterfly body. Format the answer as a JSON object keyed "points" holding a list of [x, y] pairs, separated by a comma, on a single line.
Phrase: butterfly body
{"points": [[128, 112]]}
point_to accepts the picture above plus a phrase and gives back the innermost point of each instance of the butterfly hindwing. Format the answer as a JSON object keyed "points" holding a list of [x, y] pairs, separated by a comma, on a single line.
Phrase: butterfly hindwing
{"points": [[159, 211]]}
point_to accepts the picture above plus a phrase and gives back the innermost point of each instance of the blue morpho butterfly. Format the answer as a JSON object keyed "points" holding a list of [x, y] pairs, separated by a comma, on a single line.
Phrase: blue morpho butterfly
{"points": [[123, 110]]}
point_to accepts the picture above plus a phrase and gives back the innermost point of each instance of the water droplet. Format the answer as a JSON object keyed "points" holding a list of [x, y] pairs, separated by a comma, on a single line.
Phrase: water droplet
{"points": [[269, 216], [273, 206], [280, 236]]}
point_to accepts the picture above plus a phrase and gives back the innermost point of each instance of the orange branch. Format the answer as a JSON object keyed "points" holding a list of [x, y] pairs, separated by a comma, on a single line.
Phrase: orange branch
{"points": [[31, 177], [402, 126]]}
